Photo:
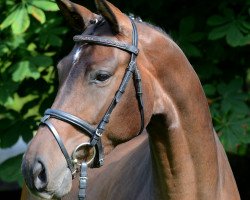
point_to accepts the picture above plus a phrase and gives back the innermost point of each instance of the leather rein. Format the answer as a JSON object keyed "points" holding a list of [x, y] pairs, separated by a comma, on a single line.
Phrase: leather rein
{"points": [[96, 133]]}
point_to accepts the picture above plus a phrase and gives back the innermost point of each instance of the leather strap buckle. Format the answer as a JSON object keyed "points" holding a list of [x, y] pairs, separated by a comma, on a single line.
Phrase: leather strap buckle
{"points": [[98, 132]]}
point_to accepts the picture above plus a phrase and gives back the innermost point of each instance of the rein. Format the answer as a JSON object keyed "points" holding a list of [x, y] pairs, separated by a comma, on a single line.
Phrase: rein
{"points": [[96, 133]]}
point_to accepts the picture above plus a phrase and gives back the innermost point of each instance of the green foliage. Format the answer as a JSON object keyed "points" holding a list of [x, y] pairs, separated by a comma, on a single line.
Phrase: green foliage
{"points": [[187, 37], [231, 114], [10, 170], [212, 57], [235, 28], [214, 35], [19, 19], [27, 63]]}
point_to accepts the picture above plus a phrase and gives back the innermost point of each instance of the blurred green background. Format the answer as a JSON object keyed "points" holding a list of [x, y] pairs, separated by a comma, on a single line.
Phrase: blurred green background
{"points": [[215, 36]]}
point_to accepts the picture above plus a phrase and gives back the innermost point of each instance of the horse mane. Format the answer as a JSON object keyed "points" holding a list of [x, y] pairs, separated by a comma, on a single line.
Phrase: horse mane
{"points": [[138, 19], [149, 24]]}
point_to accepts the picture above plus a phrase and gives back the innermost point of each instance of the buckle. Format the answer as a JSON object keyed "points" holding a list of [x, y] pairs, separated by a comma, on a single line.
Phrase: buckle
{"points": [[83, 178], [98, 133]]}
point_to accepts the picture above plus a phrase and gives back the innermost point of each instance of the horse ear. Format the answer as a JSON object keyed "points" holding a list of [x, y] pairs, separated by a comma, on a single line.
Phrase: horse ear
{"points": [[111, 14], [77, 16]]}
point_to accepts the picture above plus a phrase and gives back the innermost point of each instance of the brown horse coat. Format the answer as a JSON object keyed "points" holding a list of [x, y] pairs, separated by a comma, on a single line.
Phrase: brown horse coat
{"points": [[179, 158]]}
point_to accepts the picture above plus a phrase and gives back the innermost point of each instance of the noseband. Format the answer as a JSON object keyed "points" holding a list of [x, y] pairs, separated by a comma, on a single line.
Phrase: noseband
{"points": [[96, 133]]}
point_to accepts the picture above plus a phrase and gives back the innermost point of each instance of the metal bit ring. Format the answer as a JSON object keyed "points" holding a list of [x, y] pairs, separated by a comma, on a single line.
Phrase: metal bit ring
{"points": [[74, 154]]}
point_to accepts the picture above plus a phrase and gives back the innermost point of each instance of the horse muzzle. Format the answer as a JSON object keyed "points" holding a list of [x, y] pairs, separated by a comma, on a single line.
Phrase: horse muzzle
{"points": [[43, 184]]}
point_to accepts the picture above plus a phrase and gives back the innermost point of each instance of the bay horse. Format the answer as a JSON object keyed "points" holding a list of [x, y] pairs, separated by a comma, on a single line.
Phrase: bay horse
{"points": [[178, 154]]}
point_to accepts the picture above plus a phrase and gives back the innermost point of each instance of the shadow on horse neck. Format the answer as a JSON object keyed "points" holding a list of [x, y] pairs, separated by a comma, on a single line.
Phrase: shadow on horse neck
{"points": [[180, 157]]}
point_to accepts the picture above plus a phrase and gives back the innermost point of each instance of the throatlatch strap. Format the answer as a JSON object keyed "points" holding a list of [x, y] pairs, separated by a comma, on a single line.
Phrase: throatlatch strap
{"points": [[138, 88], [137, 78]]}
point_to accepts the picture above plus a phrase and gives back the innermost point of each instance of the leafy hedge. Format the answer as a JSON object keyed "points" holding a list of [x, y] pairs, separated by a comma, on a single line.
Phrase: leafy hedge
{"points": [[30, 39], [214, 35]]}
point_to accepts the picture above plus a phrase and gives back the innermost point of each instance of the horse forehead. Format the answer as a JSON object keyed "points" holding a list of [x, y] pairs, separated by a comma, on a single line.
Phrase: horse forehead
{"points": [[97, 56], [87, 55]]}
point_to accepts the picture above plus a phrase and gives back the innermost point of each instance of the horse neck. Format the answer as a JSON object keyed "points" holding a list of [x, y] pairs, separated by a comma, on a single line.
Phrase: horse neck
{"points": [[181, 135]]}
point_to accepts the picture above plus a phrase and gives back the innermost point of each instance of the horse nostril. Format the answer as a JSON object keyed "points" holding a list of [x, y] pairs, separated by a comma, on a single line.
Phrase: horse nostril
{"points": [[40, 176]]}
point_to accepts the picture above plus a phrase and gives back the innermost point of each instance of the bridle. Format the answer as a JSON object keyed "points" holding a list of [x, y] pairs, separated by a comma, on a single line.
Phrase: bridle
{"points": [[96, 133]]}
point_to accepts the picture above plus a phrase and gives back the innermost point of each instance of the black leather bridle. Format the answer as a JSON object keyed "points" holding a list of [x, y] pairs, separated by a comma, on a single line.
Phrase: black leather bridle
{"points": [[96, 133]]}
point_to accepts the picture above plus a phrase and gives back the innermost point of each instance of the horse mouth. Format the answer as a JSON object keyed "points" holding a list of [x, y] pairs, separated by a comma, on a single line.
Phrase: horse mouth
{"points": [[57, 194], [44, 195], [57, 189]]}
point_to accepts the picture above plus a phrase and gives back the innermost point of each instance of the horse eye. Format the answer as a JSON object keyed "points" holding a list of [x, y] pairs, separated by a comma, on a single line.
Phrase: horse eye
{"points": [[102, 77]]}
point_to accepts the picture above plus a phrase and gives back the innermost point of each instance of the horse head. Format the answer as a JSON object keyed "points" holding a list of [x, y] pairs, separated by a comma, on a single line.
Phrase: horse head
{"points": [[91, 80]]}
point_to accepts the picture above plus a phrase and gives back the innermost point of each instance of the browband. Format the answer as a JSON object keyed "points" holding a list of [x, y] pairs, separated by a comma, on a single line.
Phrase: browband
{"points": [[106, 42]]}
